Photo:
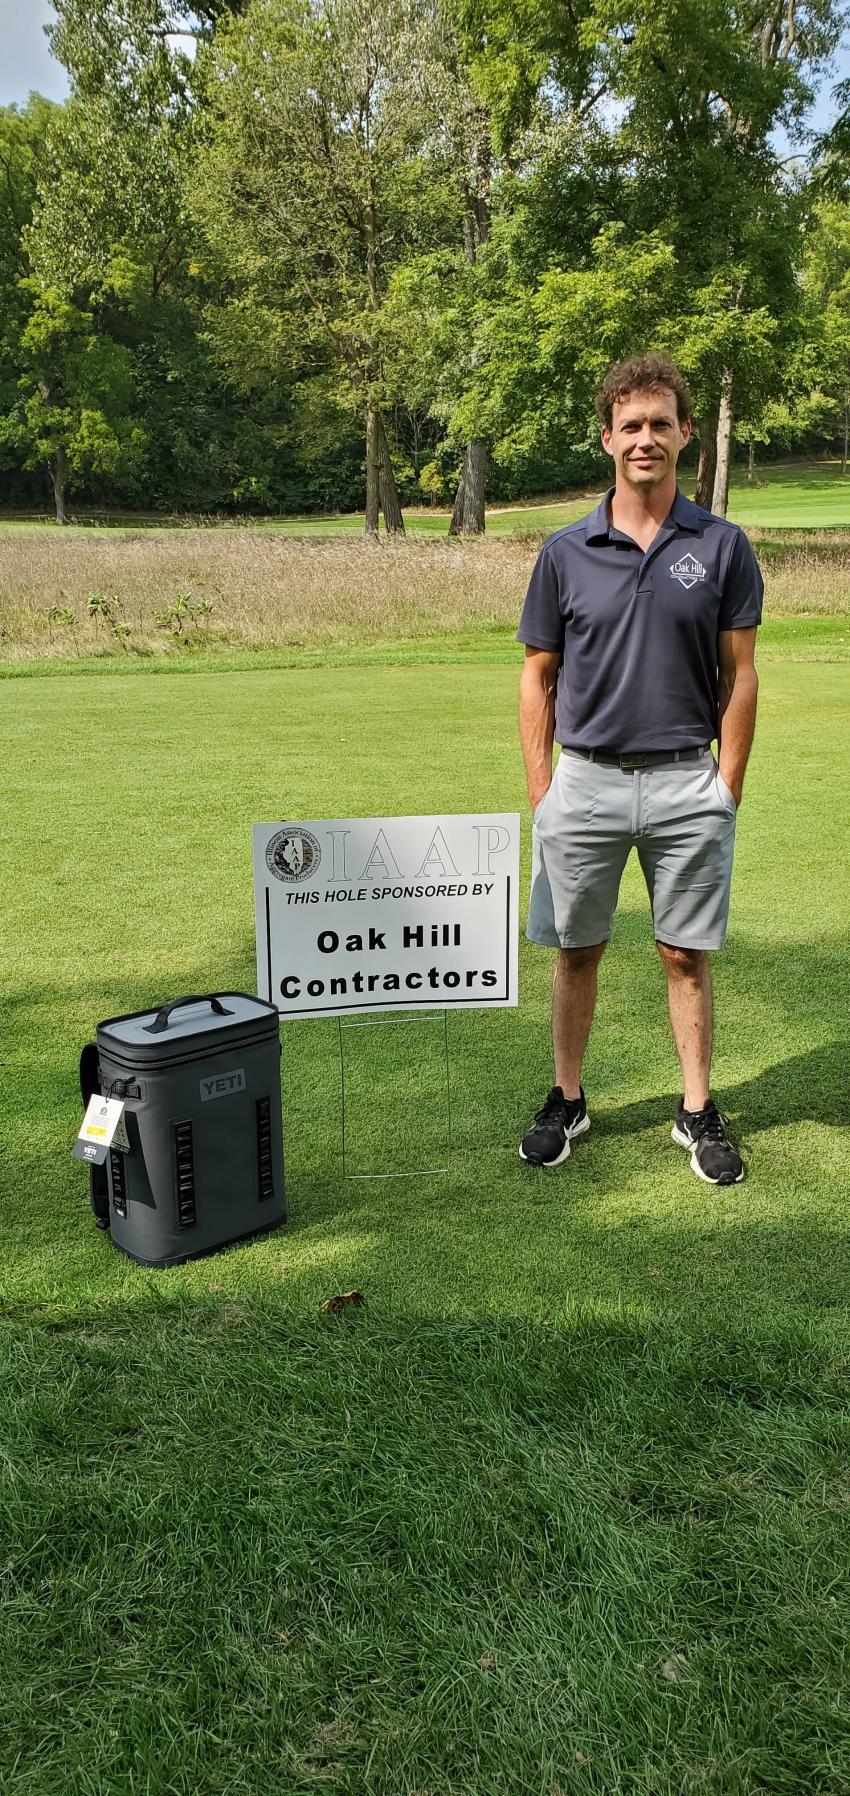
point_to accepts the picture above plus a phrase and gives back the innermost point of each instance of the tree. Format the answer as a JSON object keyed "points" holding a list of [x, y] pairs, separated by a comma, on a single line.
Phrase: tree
{"points": [[310, 187], [826, 285], [66, 389], [23, 131], [831, 151], [723, 345], [487, 68], [472, 155], [120, 145], [703, 82], [114, 234], [545, 345], [108, 237], [412, 222], [73, 413]]}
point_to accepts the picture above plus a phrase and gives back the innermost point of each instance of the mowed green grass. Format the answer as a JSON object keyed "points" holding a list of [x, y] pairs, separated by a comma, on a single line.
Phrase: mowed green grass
{"points": [[796, 495], [566, 1506]]}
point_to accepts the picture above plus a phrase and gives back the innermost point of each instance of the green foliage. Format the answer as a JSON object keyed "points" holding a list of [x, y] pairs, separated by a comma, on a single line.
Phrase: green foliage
{"points": [[61, 615], [813, 405], [105, 608], [719, 334], [432, 481], [23, 132], [513, 51], [459, 209], [311, 188], [542, 348], [102, 604], [178, 617], [75, 391]]}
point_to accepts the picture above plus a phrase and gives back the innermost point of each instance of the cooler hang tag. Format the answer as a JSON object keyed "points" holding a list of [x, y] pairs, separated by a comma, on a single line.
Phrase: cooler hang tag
{"points": [[103, 1125]]}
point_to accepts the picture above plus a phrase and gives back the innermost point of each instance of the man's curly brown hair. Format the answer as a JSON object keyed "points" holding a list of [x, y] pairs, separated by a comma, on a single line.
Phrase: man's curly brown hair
{"points": [[642, 374]]}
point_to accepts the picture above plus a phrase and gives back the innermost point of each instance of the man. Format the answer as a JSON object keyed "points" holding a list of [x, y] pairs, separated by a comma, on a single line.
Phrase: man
{"points": [[639, 626]]}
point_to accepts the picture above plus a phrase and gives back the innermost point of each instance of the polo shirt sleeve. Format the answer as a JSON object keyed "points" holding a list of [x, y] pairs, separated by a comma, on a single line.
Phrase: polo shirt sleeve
{"points": [[541, 624], [743, 591]]}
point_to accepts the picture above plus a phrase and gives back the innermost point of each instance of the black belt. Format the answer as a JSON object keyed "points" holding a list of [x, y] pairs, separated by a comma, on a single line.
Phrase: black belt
{"points": [[629, 763]]}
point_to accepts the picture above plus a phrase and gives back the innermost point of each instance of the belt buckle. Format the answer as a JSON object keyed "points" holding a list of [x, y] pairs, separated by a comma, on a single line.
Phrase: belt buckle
{"points": [[630, 763]]}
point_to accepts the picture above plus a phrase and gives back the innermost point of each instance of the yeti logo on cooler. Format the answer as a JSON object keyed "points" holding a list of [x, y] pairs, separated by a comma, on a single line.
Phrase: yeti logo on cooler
{"points": [[220, 1085]]}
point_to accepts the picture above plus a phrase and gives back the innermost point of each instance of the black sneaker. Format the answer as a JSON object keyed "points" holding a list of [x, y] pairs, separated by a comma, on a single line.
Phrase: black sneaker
{"points": [[547, 1142], [714, 1158]]}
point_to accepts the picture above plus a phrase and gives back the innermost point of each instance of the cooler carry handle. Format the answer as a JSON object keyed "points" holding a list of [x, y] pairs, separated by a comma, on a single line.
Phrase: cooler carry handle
{"points": [[160, 1021]]}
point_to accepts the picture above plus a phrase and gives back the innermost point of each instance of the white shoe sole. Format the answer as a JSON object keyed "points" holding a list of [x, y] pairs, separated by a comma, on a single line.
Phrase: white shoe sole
{"points": [[685, 1141], [581, 1128]]}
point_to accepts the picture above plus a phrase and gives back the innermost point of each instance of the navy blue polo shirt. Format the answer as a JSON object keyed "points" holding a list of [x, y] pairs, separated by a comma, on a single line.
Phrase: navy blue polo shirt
{"points": [[637, 629]]}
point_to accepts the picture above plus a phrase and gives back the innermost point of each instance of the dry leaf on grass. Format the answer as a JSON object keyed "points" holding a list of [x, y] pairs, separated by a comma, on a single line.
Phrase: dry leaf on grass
{"points": [[343, 1299], [486, 1661], [674, 1668]]}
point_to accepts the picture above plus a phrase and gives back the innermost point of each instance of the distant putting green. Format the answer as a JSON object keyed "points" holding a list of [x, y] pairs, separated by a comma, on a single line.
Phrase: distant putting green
{"points": [[566, 1506]]}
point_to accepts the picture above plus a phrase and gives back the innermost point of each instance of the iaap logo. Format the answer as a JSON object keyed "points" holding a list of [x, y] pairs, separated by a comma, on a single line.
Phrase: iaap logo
{"points": [[687, 571], [293, 854]]}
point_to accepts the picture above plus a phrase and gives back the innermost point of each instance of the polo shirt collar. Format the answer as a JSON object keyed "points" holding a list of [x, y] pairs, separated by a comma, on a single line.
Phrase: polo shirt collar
{"points": [[683, 514]]}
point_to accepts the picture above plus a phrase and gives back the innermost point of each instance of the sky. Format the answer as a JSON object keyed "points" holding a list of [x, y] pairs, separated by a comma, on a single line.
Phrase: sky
{"points": [[27, 63]]}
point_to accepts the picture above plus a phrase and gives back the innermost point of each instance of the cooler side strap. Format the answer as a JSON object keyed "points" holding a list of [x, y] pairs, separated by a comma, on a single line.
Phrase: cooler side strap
{"points": [[89, 1072], [98, 1175]]}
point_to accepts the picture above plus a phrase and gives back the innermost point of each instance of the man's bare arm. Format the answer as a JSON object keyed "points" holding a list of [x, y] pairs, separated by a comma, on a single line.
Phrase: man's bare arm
{"points": [[738, 685], [537, 684]]}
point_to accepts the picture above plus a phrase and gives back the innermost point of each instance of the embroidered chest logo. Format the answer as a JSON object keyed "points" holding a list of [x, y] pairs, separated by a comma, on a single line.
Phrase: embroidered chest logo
{"points": [[687, 571]]}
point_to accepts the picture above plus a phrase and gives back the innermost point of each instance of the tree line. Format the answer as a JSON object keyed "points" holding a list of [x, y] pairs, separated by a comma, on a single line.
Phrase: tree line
{"points": [[294, 255]]}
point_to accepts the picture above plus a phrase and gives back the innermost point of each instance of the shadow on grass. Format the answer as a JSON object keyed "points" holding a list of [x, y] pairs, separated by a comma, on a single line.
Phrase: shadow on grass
{"points": [[811, 1087], [249, 1548], [800, 982], [625, 1221]]}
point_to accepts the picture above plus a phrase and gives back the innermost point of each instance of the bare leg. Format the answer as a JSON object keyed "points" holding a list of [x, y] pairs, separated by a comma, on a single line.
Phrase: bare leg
{"points": [[689, 999], [573, 1003]]}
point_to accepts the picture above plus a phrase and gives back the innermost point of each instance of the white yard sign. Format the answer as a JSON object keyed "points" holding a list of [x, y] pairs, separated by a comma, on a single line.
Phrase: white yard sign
{"points": [[387, 913]]}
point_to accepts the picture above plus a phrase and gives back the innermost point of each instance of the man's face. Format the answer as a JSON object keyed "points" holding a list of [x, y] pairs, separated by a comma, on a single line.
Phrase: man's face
{"points": [[645, 438]]}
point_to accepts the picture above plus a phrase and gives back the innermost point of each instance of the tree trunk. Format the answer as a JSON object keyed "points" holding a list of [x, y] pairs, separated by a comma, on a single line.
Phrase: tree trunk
{"points": [[59, 474], [373, 459], [846, 426], [707, 431], [456, 524], [380, 480], [720, 498], [474, 186], [386, 485], [474, 477], [751, 463], [468, 513]]}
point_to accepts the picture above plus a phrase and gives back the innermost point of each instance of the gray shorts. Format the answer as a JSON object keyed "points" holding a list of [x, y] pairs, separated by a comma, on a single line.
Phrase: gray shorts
{"points": [[679, 815]]}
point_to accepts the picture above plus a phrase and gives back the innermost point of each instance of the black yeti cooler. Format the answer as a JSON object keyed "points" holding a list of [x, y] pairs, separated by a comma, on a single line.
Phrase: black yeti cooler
{"points": [[201, 1083]]}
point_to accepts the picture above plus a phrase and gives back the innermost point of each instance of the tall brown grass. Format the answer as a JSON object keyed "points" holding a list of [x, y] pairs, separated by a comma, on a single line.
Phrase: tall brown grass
{"points": [[77, 597]]}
